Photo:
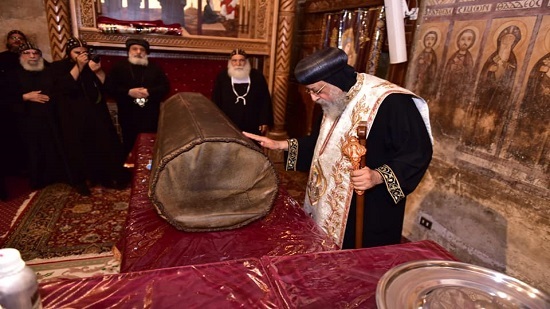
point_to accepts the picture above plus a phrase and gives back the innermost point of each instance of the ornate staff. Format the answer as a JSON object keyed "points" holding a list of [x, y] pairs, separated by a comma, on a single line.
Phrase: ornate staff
{"points": [[355, 149]]}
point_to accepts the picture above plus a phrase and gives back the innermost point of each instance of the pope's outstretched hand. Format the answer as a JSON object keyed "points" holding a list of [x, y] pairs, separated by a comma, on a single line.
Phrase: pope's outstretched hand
{"points": [[268, 142]]}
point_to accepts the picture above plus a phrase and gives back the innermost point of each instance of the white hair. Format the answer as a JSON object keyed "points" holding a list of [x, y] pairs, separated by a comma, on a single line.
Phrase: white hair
{"points": [[144, 61], [239, 72], [32, 65], [333, 109]]}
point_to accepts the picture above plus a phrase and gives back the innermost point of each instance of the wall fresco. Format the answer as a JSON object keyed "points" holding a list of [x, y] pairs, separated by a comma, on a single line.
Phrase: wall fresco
{"points": [[530, 140], [483, 66], [489, 176]]}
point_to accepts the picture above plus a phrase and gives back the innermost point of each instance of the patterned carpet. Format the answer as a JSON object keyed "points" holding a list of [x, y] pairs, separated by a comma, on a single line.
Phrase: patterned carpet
{"points": [[11, 212], [59, 222], [294, 182], [15, 203]]}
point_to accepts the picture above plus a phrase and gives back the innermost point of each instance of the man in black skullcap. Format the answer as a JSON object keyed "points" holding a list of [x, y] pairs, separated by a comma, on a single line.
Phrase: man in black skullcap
{"points": [[29, 92], [9, 61], [91, 145], [399, 149], [138, 86], [241, 92]]}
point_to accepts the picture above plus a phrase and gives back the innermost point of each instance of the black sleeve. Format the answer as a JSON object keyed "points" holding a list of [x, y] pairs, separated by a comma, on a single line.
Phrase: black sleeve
{"points": [[399, 140], [161, 85]]}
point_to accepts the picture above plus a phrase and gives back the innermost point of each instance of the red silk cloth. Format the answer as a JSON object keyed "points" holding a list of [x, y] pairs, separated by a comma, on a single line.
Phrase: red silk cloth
{"points": [[150, 242], [335, 279]]}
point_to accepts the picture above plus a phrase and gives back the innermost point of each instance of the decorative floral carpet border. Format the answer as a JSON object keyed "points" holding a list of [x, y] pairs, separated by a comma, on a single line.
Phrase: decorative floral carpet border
{"points": [[82, 266], [59, 222], [11, 212]]}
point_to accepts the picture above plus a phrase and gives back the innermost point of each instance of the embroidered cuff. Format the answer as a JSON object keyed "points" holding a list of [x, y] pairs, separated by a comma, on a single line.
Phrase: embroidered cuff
{"points": [[392, 184], [292, 154]]}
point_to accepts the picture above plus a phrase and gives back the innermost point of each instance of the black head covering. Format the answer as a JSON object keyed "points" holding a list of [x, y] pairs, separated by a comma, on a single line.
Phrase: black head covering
{"points": [[18, 32], [73, 43], [140, 42], [513, 30], [238, 51], [329, 65], [28, 45]]}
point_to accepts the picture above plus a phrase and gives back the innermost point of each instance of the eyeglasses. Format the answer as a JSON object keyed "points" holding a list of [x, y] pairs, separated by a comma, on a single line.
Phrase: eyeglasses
{"points": [[31, 52], [315, 92], [16, 38], [238, 60]]}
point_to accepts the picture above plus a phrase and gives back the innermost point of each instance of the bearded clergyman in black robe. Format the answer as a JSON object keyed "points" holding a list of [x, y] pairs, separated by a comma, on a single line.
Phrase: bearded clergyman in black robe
{"points": [[398, 150], [29, 90], [241, 92], [9, 60], [91, 145], [139, 86]]}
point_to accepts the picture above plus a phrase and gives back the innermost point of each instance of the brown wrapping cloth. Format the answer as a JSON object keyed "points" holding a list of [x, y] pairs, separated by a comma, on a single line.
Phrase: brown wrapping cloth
{"points": [[206, 175]]}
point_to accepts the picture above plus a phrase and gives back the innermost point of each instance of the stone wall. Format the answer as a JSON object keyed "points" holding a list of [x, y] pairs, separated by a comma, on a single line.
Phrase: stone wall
{"points": [[28, 16], [483, 68]]}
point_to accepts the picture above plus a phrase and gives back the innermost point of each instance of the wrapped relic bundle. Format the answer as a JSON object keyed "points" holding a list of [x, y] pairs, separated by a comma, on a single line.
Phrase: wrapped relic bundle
{"points": [[206, 175]]}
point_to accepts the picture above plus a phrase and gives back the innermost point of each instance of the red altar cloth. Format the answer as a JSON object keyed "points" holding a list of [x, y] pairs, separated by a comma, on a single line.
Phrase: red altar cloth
{"points": [[150, 242], [232, 284], [344, 278], [336, 279]]}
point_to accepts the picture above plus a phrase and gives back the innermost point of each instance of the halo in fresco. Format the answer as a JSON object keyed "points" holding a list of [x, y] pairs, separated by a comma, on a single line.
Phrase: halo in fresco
{"points": [[522, 27], [439, 37], [474, 29]]}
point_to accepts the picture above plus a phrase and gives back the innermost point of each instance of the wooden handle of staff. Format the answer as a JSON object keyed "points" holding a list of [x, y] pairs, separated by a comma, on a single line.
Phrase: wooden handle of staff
{"points": [[360, 198]]}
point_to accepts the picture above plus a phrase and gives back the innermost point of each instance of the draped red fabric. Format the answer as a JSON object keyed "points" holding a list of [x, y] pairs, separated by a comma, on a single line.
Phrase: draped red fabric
{"points": [[335, 279]]}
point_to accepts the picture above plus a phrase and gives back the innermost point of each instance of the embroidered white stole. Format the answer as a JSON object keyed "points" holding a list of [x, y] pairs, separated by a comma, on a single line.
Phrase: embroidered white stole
{"points": [[329, 191]]}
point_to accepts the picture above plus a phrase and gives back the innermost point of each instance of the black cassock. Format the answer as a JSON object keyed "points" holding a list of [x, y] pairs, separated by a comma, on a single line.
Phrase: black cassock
{"points": [[399, 139], [135, 119], [9, 61], [91, 145], [256, 112], [37, 126]]}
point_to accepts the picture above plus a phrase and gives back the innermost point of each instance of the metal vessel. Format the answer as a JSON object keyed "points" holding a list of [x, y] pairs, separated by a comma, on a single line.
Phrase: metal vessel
{"points": [[449, 284]]}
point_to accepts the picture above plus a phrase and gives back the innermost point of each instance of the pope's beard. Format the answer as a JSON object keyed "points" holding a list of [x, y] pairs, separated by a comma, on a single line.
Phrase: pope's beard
{"points": [[239, 72], [333, 109], [144, 61], [32, 65]]}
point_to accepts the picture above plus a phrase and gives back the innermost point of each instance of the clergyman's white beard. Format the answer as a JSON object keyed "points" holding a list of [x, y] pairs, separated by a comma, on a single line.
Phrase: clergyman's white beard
{"points": [[334, 109], [138, 61], [239, 73], [32, 66]]}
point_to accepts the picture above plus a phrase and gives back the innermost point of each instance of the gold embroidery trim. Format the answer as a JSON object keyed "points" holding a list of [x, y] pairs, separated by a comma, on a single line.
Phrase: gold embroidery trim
{"points": [[354, 90], [317, 183], [292, 154], [392, 184]]}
